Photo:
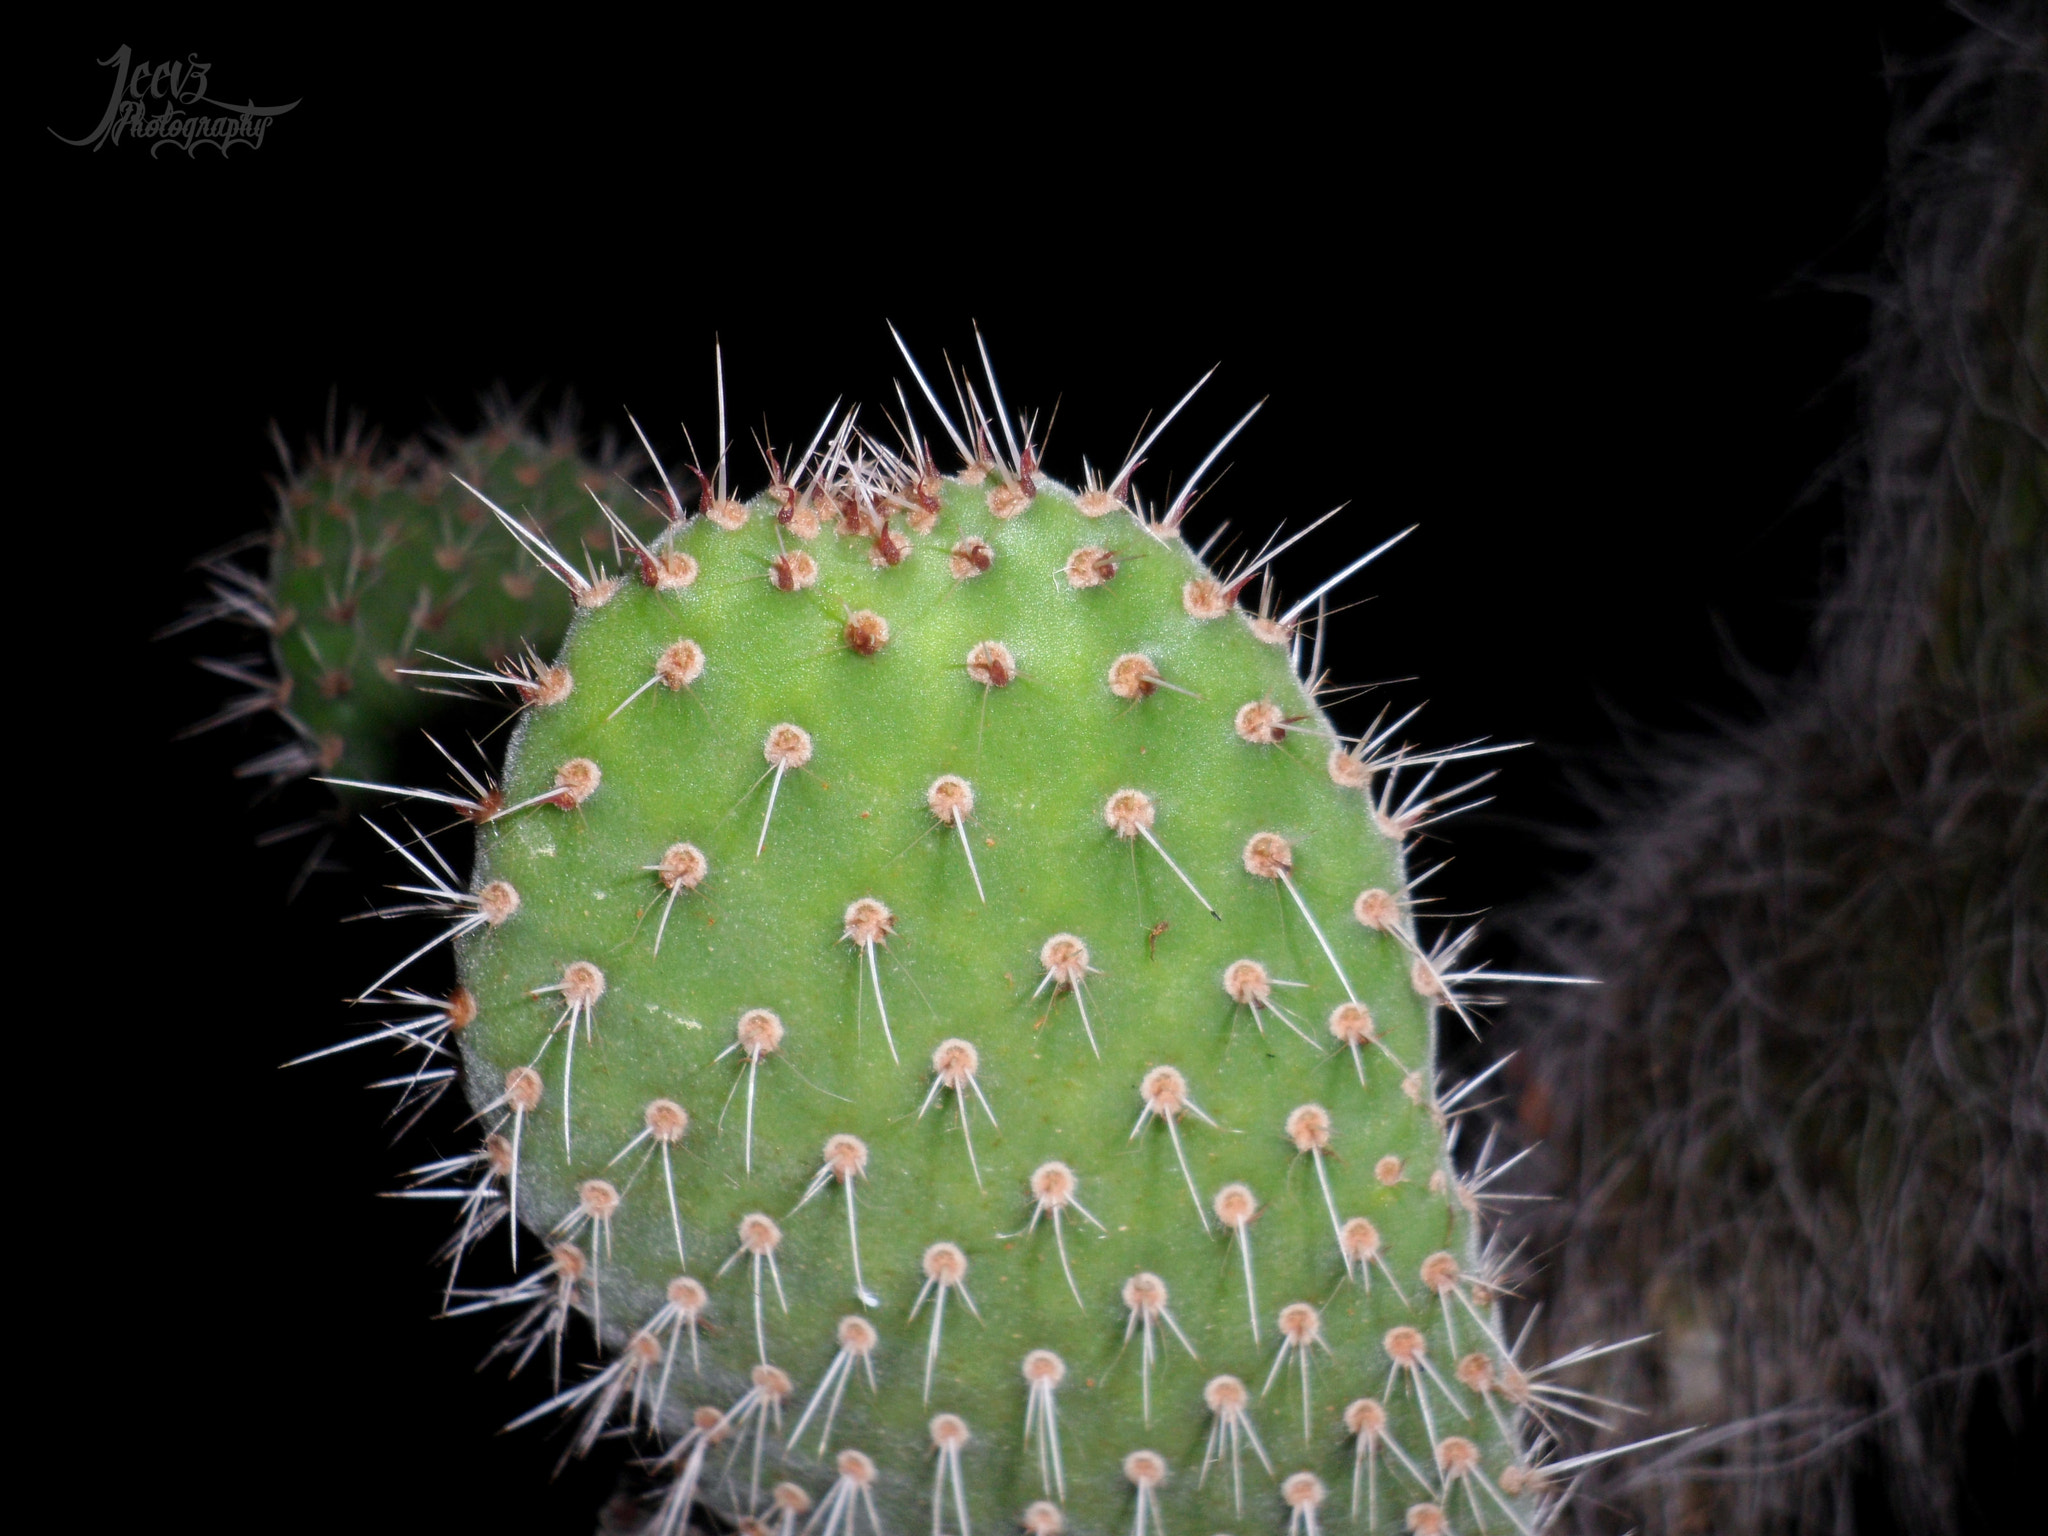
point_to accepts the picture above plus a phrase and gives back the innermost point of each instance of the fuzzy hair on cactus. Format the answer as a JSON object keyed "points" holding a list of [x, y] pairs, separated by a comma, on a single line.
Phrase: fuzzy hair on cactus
{"points": [[1806, 1121], [945, 1004], [380, 566]]}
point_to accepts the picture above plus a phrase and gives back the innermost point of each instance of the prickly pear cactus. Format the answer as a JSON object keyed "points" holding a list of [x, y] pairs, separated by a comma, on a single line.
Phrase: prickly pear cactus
{"points": [[953, 1008], [376, 563]]}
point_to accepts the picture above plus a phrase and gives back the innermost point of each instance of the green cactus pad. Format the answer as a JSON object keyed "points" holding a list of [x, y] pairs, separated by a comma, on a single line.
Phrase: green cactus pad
{"points": [[759, 919], [375, 559], [372, 568]]}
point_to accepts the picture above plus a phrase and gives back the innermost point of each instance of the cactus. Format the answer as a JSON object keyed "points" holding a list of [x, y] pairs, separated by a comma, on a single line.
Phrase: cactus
{"points": [[1808, 1117], [943, 1001], [376, 558]]}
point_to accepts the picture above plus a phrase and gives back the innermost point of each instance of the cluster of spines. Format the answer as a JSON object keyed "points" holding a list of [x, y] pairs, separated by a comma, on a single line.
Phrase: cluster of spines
{"points": [[860, 489]]}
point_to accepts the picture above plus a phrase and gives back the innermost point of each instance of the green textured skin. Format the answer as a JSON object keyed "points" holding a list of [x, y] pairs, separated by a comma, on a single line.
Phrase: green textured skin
{"points": [[1043, 754], [372, 561]]}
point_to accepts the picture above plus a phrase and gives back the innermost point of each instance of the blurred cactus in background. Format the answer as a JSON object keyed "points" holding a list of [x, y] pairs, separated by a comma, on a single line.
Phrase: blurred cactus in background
{"points": [[1802, 1130], [376, 566]]}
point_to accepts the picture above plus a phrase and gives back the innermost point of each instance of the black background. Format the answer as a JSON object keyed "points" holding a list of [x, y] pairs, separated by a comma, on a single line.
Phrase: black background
{"points": [[1559, 290]]}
